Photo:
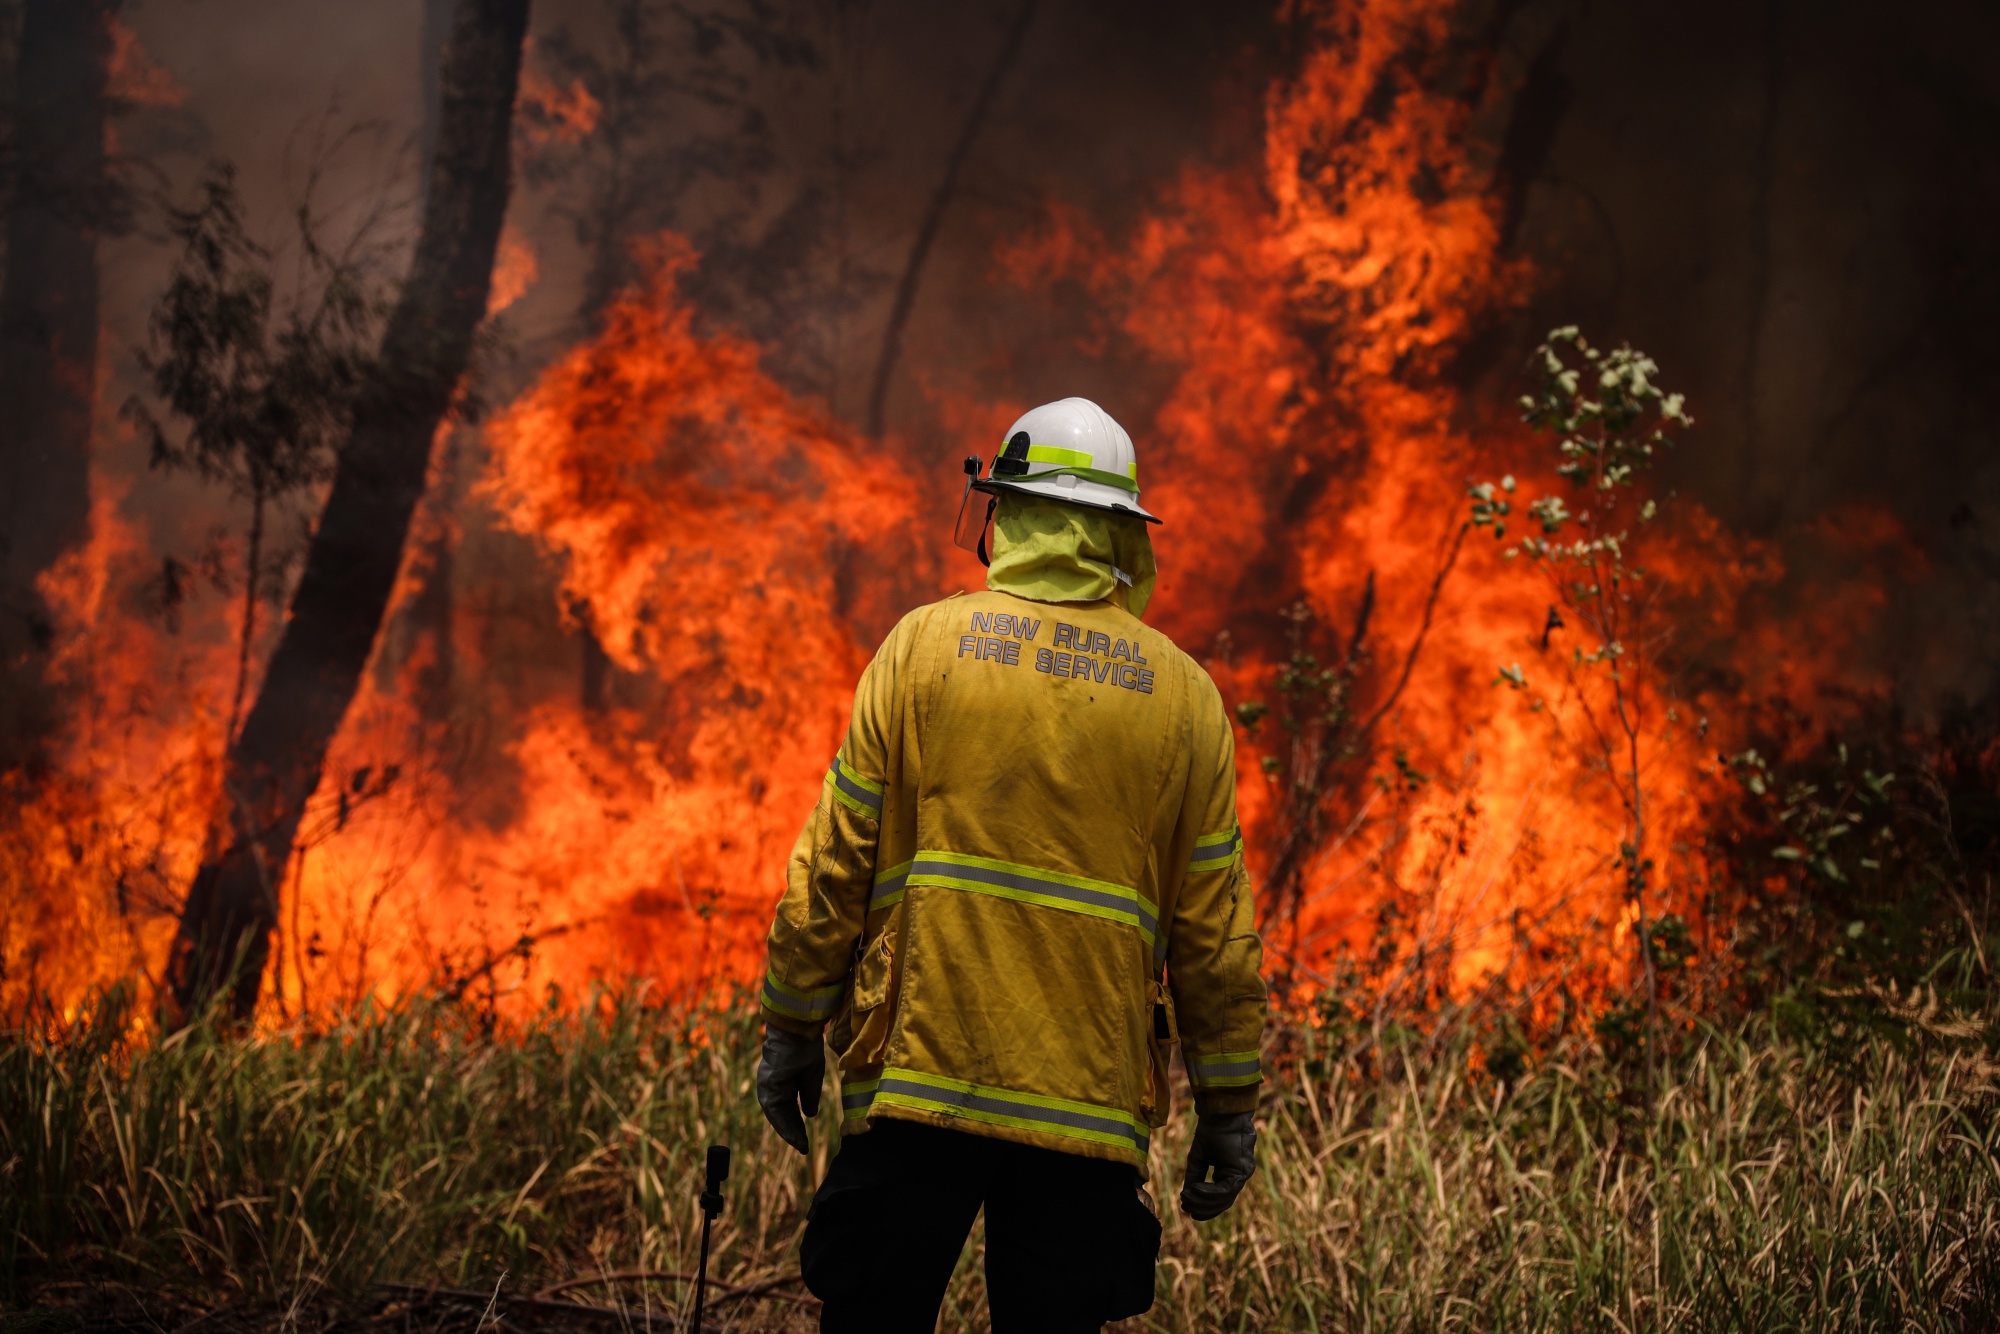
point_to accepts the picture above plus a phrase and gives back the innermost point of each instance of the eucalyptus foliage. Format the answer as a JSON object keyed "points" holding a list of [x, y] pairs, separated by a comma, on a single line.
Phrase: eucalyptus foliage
{"points": [[1610, 422]]}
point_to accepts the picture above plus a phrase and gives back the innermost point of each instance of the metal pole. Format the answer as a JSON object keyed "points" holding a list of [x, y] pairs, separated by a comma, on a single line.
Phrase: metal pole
{"points": [[711, 1205]]}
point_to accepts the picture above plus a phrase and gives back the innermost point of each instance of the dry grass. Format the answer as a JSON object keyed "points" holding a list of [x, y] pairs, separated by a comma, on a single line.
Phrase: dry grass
{"points": [[1769, 1188]]}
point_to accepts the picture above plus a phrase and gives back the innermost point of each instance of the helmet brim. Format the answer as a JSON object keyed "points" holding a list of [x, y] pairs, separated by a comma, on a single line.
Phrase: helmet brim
{"points": [[1077, 495]]}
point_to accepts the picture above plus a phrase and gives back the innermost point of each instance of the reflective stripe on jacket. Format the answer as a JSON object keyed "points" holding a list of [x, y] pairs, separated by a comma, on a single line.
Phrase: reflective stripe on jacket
{"points": [[1023, 879]]}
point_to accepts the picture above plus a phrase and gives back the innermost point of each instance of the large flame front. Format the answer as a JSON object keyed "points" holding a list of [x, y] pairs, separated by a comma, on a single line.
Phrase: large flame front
{"points": [[735, 557]]}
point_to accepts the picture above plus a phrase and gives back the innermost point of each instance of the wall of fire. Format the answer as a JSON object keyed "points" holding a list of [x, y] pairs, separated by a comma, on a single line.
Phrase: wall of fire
{"points": [[606, 729]]}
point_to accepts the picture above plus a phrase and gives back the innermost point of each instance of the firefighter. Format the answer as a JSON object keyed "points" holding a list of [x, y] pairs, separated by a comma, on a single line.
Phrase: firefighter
{"points": [[1022, 884]]}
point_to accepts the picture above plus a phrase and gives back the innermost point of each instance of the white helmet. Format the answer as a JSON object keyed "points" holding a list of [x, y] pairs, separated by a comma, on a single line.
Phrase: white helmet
{"points": [[1069, 450]]}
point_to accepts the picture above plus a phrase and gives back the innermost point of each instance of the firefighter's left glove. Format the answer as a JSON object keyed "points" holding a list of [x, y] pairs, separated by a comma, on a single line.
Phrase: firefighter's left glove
{"points": [[1226, 1141], [789, 1079]]}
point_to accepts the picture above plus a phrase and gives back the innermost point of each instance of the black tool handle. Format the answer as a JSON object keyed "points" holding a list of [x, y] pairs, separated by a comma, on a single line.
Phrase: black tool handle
{"points": [[711, 1205], [718, 1172]]}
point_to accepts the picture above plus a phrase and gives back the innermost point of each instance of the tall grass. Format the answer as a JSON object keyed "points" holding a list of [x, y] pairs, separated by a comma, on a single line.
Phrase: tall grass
{"points": [[1770, 1187], [399, 1144]]}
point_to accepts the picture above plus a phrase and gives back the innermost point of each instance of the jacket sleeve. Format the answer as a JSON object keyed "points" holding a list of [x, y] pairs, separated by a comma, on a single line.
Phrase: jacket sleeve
{"points": [[832, 867], [1214, 956]]}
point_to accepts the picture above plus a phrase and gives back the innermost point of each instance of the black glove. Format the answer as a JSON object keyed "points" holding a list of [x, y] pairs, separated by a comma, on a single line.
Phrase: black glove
{"points": [[1226, 1141], [789, 1079]]}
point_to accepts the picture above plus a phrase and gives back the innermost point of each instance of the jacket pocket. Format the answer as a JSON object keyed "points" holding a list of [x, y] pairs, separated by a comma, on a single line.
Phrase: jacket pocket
{"points": [[870, 1015], [871, 975]]}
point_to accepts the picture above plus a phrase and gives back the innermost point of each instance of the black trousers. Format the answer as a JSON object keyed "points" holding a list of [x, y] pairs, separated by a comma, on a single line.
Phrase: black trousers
{"points": [[1070, 1243]]}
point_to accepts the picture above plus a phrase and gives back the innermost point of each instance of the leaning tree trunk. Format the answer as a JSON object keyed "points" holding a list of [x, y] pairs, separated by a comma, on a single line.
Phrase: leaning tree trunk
{"points": [[337, 610], [48, 338]]}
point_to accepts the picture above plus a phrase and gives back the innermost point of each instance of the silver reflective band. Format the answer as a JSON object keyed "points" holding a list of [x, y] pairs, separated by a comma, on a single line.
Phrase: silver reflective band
{"points": [[965, 874], [1225, 1069], [855, 793], [855, 1099], [1214, 852], [889, 885], [1020, 1111], [791, 1001], [997, 1107]]}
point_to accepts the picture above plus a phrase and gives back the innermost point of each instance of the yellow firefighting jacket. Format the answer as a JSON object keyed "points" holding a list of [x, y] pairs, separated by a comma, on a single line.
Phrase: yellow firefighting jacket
{"points": [[1024, 880]]}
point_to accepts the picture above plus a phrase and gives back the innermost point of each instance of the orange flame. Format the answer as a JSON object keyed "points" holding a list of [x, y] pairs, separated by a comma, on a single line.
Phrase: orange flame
{"points": [[701, 519], [515, 270], [134, 77], [736, 557], [94, 854], [553, 113], [1319, 434]]}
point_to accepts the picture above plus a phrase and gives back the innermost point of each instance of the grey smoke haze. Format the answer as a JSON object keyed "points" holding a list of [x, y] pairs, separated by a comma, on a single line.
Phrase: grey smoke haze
{"points": [[1790, 205]]}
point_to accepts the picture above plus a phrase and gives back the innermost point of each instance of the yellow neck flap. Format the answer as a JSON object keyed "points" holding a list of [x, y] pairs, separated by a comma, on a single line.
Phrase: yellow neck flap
{"points": [[1052, 551]]}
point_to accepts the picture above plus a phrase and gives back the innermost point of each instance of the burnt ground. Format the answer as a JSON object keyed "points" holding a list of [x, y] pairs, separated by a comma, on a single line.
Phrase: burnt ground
{"points": [[393, 1308]]}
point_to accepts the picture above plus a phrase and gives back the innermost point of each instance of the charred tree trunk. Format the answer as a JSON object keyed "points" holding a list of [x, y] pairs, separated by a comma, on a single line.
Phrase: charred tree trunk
{"points": [[432, 40], [350, 569], [1751, 511], [48, 338], [1537, 113]]}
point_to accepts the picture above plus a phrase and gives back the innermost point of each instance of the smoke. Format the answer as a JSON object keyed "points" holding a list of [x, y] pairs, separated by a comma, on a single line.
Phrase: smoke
{"points": [[1788, 205]]}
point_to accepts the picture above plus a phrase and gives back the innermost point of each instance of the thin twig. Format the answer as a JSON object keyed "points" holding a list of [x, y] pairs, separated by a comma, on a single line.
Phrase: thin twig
{"points": [[913, 268], [620, 1276], [768, 1288], [1286, 867], [727, 1291], [252, 578], [1423, 630], [487, 1314]]}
